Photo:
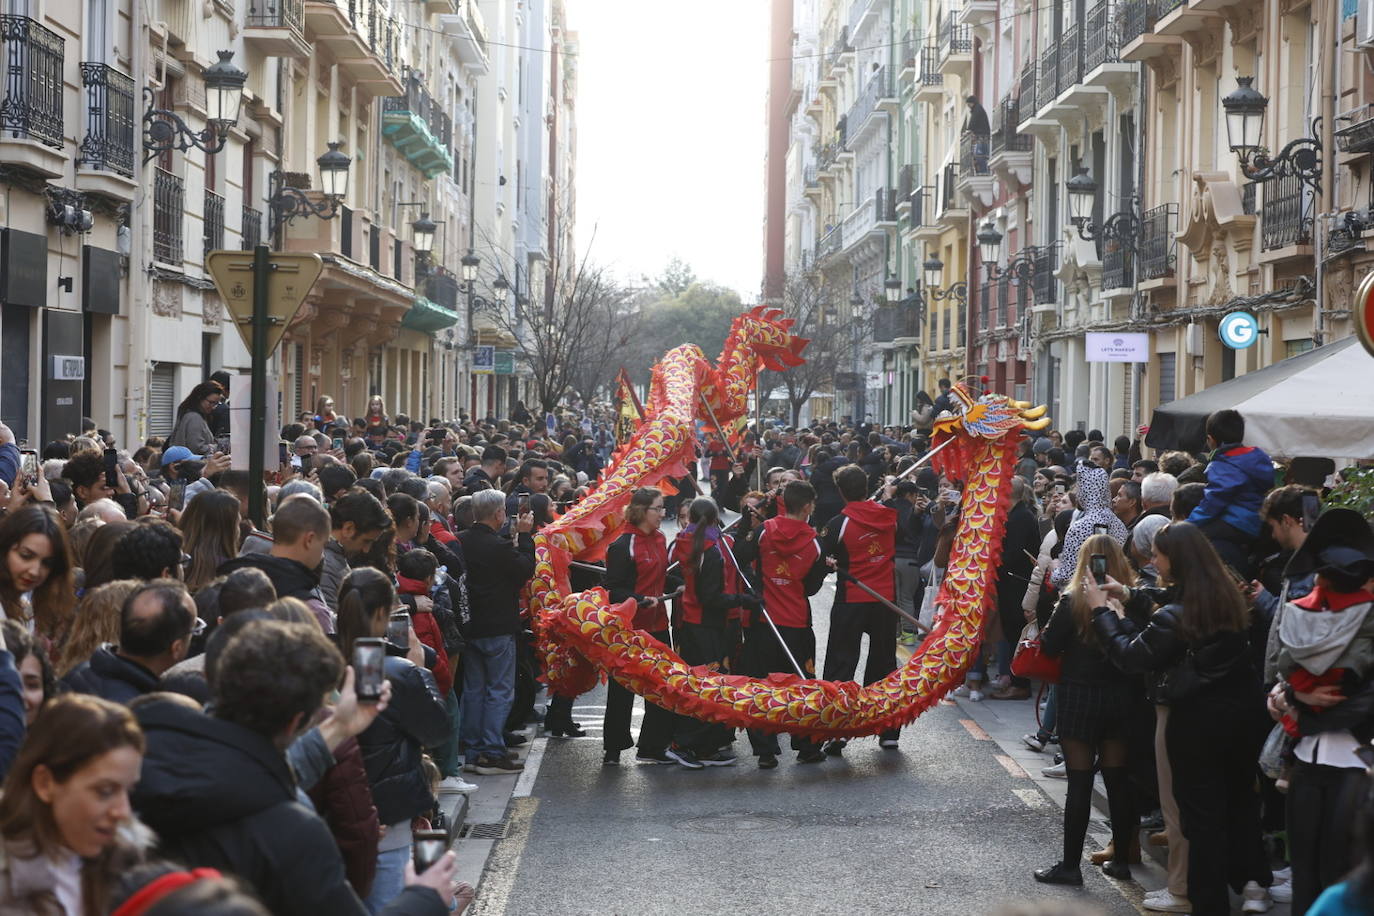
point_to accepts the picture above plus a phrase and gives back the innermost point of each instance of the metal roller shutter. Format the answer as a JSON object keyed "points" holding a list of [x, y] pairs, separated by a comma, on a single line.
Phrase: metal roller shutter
{"points": [[162, 400]]}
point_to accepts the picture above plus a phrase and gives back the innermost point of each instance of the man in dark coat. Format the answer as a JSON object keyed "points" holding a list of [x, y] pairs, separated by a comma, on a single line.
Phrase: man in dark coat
{"points": [[219, 793], [1020, 542], [154, 631]]}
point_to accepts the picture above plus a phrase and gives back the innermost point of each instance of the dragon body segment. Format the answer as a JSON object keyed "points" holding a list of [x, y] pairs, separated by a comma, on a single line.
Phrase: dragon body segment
{"points": [[581, 634]]}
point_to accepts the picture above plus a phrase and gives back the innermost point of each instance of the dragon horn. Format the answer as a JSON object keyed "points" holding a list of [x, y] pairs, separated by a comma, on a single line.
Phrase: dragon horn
{"points": [[1034, 413], [1039, 424]]}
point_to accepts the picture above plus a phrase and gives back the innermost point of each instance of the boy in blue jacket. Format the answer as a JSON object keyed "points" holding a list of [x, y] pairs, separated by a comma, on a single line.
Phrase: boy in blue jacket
{"points": [[1238, 478]]}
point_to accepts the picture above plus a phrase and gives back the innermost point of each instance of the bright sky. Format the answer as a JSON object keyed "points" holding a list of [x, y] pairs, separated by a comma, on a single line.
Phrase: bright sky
{"points": [[671, 136]]}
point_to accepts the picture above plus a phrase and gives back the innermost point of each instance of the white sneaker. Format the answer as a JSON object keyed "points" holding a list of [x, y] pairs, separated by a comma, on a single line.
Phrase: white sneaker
{"points": [[1256, 898], [1282, 891], [960, 691], [1055, 771], [1165, 902], [1283, 875], [455, 785], [975, 695]]}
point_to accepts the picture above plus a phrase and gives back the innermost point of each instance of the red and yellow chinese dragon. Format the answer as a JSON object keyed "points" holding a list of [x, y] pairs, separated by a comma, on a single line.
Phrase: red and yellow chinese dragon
{"points": [[581, 634]]}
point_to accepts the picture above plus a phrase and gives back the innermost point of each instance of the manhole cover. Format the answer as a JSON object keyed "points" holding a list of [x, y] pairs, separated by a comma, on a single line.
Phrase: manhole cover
{"points": [[739, 823]]}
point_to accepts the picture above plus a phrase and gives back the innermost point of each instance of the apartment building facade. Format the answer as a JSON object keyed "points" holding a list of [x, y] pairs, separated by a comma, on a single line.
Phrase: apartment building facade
{"points": [[122, 172]]}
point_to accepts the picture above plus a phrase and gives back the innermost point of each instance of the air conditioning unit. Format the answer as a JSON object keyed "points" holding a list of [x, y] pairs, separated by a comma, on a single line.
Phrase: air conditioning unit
{"points": [[1364, 24], [1193, 343]]}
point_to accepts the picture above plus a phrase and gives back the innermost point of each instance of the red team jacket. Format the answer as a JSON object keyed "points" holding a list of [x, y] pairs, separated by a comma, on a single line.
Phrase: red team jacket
{"points": [[862, 539], [788, 555], [691, 602], [637, 567]]}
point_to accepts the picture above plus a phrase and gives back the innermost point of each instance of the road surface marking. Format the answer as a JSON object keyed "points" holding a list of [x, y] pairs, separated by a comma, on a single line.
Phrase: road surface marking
{"points": [[525, 783], [974, 729], [1033, 798], [1011, 766], [498, 878]]}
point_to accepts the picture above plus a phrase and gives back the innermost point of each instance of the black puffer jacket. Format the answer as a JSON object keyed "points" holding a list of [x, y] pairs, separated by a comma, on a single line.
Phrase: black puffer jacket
{"points": [[1084, 661], [1218, 662], [497, 572], [219, 795], [415, 719], [111, 677]]}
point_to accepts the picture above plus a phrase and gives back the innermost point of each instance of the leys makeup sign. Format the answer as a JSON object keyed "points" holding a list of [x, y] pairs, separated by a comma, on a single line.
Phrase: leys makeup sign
{"points": [[1103, 347]]}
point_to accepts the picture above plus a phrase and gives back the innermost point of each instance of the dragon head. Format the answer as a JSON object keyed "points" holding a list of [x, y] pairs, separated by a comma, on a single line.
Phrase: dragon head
{"points": [[764, 331], [988, 416]]}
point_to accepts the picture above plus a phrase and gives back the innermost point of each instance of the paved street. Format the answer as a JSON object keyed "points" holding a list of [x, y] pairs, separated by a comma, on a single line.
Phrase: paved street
{"points": [[948, 824]]}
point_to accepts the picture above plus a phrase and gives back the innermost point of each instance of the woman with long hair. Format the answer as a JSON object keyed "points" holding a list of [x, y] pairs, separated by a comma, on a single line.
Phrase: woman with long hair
{"points": [[95, 624], [210, 531], [706, 604], [98, 560], [1197, 650], [392, 746], [1095, 700], [36, 676], [37, 585], [64, 810], [637, 569], [324, 412], [193, 419], [376, 411]]}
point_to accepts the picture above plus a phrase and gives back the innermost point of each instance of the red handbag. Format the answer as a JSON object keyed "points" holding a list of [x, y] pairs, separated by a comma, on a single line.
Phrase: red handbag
{"points": [[1030, 661]]}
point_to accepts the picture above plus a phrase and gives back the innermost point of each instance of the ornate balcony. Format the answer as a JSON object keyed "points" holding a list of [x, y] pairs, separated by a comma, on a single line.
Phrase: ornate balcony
{"points": [[1045, 285], [169, 201], [1102, 63], [419, 129], [213, 234], [1286, 213], [277, 28], [467, 36], [363, 39], [109, 142], [956, 44], [1158, 248], [953, 211], [921, 222], [250, 229], [31, 104], [931, 87], [911, 54], [1138, 40], [976, 182], [1012, 153], [875, 99]]}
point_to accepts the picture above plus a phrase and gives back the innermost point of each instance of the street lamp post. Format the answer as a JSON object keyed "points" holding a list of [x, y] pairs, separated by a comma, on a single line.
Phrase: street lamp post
{"points": [[1122, 228], [288, 203], [165, 130], [1245, 108], [990, 251]]}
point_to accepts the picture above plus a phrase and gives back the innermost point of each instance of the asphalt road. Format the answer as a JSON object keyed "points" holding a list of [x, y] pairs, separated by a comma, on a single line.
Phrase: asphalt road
{"points": [[940, 826]]}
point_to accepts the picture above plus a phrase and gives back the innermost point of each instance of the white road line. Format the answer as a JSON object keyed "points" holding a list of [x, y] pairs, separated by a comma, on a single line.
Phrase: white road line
{"points": [[525, 784], [498, 878], [1033, 798]]}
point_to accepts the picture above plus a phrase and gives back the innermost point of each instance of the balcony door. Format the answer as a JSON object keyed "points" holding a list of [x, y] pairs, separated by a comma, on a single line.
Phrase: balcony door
{"points": [[98, 50]]}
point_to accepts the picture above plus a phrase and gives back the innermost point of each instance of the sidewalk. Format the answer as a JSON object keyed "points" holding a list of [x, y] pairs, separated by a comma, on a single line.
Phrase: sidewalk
{"points": [[1003, 722]]}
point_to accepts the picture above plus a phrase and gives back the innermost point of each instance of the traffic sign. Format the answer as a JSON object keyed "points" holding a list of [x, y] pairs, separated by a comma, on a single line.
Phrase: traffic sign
{"points": [[1363, 313], [291, 278], [1239, 330]]}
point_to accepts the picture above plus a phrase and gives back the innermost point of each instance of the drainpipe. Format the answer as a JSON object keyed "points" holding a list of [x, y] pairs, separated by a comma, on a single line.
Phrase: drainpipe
{"points": [[140, 302], [1326, 82]]}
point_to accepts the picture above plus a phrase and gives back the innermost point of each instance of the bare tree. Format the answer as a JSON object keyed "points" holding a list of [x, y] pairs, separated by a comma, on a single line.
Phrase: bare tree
{"points": [[817, 317], [616, 321]]}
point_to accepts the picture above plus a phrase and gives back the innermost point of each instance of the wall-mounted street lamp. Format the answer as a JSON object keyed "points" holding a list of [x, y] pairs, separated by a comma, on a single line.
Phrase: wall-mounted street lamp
{"points": [[933, 270], [1122, 227], [469, 264], [289, 203], [1245, 108], [990, 252], [165, 130]]}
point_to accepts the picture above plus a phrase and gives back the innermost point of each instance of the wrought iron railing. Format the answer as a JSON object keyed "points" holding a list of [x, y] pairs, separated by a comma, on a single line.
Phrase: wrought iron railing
{"points": [[109, 141], [1005, 139], [1099, 37], [1046, 261], [1134, 18], [214, 221], [1118, 264], [277, 14], [930, 67], [1047, 81], [839, 48], [955, 38], [885, 205], [809, 177], [986, 292], [949, 194], [910, 49], [973, 153], [250, 229], [906, 182], [1026, 102], [1286, 214], [921, 202], [1247, 197], [442, 288], [169, 203], [1004, 311], [878, 87], [827, 155], [419, 102], [1157, 244], [1070, 49], [32, 102], [829, 243]]}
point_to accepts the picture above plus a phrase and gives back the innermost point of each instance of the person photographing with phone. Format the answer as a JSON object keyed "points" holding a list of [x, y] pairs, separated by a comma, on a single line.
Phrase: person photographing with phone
{"points": [[1094, 701], [637, 569]]}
